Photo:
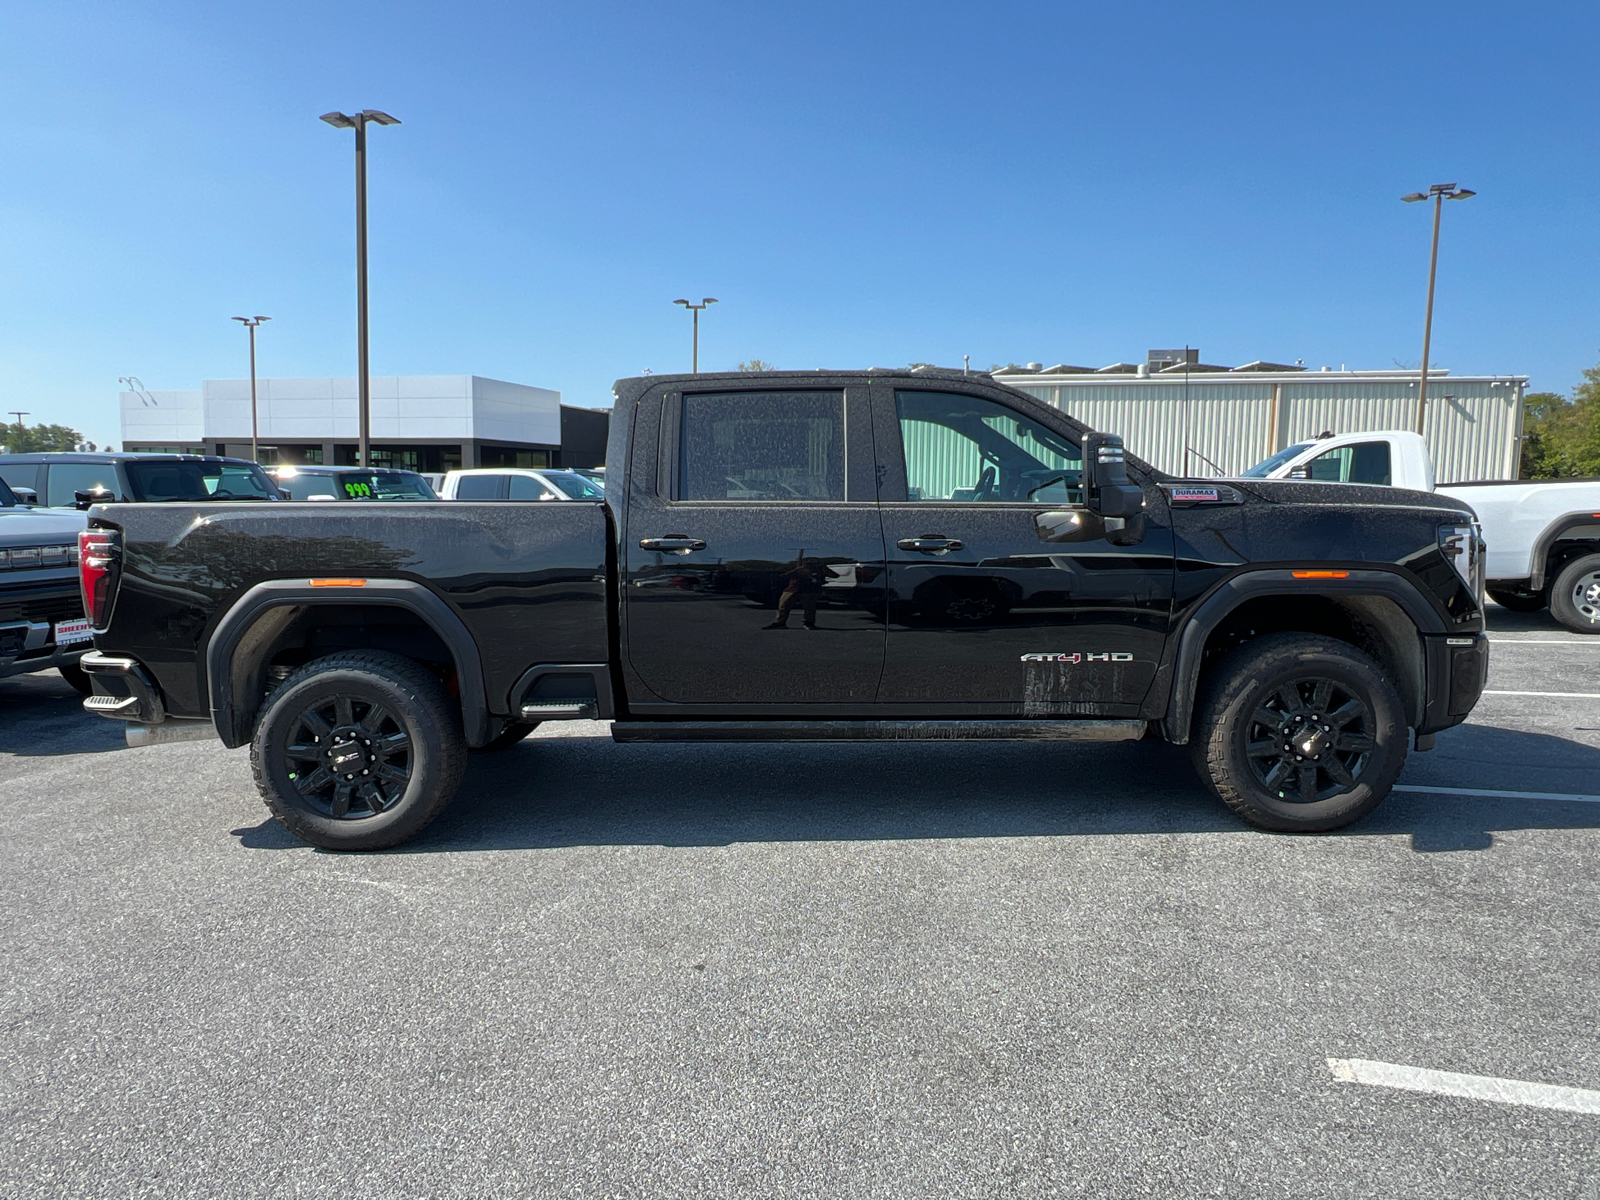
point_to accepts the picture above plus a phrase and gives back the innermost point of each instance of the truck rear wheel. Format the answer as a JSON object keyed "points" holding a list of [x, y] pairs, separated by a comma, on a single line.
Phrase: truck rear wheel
{"points": [[358, 751], [1518, 601], [1298, 732], [1575, 595]]}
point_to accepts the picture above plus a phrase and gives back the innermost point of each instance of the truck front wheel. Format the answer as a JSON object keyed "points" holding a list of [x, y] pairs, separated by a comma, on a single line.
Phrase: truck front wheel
{"points": [[1575, 595], [358, 751], [1299, 732]]}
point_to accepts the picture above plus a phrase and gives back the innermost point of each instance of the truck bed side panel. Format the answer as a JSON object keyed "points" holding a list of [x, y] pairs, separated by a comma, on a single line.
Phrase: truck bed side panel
{"points": [[528, 580]]}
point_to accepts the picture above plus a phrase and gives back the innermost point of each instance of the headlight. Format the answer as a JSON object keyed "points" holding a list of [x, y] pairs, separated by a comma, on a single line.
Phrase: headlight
{"points": [[1462, 547]]}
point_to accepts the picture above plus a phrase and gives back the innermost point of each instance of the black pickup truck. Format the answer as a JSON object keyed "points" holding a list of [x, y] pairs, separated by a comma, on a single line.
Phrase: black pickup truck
{"points": [[872, 555]]}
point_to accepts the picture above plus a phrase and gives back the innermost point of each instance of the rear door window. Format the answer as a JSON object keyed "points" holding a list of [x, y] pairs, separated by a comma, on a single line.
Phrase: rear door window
{"points": [[64, 480], [761, 446], [480, 487]]}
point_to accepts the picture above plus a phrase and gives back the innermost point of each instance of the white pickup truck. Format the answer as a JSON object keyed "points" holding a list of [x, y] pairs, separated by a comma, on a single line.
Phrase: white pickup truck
{"points": [[1542, 535]]}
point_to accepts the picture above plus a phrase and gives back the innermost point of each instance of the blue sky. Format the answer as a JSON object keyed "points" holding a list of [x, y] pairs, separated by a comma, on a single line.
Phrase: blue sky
{"points": [[859, 184]]}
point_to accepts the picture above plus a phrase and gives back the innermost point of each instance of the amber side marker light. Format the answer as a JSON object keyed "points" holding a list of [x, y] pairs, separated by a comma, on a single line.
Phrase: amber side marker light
{"points": [[338, 583], [1316, 574]]}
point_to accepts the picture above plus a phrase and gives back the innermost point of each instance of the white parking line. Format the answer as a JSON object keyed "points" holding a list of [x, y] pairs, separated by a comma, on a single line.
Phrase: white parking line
{"points": [[1577, 641], [1473, 1087], [1560, 695], [1453, 791]]}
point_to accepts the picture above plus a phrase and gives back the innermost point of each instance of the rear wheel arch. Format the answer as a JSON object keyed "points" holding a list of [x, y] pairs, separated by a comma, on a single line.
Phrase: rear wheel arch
{"points": [[1379, 613], [1567, 537], [247, 638]]}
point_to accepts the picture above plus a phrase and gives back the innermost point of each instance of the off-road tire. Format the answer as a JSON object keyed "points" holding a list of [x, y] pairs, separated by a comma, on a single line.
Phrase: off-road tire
{"points": [[508, 737], [1575, 595], [1252, 682], [416, 736], [77, 677], [1521, 602]]}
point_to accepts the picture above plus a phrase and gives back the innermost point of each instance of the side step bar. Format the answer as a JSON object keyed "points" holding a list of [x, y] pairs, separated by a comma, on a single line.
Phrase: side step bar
{"points": [[878, 731]]}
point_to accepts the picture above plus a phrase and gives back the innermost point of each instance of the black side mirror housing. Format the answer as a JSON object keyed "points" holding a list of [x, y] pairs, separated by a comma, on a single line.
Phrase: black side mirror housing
{"points": [[26, 495], [1111, 493], [99, 495]]}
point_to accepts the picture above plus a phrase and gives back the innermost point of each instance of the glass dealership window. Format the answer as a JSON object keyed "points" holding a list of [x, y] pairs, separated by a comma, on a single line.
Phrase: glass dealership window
{"points": [[964, 449], [763, 446]]}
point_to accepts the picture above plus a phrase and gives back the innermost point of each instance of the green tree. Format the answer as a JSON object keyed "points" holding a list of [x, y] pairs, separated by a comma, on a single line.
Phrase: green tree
{"points": [[22, 439], [756, 364], [1561, 437]]}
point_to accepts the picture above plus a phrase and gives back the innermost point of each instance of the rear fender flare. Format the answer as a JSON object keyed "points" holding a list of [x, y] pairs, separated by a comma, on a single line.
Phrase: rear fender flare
{"points": [[1547, 540], [234, 721], [1425, 613]]}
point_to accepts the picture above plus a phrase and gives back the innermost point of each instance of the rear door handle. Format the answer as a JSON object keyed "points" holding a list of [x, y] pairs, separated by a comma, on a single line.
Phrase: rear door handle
{"points": [[676, 543], [932, 543]]}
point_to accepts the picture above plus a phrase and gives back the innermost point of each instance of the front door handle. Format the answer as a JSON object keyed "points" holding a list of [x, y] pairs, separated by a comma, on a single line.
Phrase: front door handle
{"points": [[674, 543], [931, 543]]}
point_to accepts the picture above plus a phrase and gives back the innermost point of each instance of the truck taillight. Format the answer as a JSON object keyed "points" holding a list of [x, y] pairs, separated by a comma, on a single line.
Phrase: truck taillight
{"points": [[97, 563]]}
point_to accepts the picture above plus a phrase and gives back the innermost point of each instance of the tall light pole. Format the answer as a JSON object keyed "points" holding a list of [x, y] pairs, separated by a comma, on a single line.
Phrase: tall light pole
{"points": [[358, 122], [695, 309], [1440, 192], [20, 430], [251, 323]]}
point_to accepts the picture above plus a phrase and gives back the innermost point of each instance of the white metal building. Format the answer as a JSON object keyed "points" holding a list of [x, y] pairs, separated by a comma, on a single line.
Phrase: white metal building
{"points": [[1232, 417], [424, 422]]}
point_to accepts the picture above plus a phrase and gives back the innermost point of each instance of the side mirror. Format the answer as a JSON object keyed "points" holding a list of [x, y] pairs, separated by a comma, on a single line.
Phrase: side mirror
{"points": [[1300, 473], [26, 495], [97, 495], [1110, 493]]}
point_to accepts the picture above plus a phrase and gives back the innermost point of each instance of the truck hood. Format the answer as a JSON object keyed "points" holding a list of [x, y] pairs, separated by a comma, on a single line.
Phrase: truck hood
{"points": [[1302, 491], [40, 527]]}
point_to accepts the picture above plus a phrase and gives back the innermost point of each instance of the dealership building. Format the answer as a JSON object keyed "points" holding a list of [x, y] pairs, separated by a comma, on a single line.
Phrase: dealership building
{"points": [[418, 422]]}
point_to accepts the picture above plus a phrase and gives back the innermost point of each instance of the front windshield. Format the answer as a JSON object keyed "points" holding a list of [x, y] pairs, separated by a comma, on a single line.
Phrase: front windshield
{"points": [[1268, 465], [165, 480], [575, 486], [385, 485]]}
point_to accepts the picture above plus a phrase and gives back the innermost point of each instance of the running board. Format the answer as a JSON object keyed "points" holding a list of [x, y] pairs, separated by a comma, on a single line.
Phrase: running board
{"points": [[878, 731]]}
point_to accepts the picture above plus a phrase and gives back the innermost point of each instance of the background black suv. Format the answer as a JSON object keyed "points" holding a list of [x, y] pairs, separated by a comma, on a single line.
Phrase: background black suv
{"points": [[69, 480]]}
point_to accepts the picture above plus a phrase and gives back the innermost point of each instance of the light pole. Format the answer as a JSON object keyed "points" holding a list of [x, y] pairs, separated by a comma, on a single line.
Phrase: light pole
{"points": [[20, 430], [358, 122], [695, 308], [251, 323], [1440, 192]]}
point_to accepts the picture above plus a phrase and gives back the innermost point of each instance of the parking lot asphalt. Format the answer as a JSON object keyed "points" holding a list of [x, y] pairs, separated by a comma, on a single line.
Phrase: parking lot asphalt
{"points": [[814, 971]]}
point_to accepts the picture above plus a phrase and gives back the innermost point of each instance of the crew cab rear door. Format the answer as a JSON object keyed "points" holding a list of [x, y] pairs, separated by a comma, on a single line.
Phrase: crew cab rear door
{"points": [[1004, 595], [752, 556]]}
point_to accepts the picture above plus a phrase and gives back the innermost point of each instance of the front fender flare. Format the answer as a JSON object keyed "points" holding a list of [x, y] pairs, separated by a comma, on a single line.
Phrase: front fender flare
{"points": [[1425, 613]]}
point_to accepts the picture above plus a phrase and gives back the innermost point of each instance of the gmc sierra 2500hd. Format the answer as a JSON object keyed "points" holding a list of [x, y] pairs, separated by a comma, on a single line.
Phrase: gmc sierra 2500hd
{"points": [[870, 555]]}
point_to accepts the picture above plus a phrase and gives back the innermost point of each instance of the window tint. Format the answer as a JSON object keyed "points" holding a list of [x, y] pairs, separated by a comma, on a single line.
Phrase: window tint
{"points": [[384, 485], [158, 480], [526, 487], [1365, 462], [64, 479], [23, 475], [964, 449], [575, 486], [479, 487], [763, 446], [305, 487]]}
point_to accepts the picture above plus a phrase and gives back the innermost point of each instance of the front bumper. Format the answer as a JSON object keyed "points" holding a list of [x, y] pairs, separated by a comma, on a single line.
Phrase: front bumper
{"points": [[1457, 669]]}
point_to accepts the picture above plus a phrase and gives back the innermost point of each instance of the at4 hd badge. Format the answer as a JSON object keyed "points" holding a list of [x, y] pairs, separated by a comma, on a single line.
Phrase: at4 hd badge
{"points": [[1108, 656]]}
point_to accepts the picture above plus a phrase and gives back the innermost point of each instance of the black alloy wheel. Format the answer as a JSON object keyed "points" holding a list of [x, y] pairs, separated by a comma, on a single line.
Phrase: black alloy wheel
{"points": [[349, 758], [1310, 740], [358, 750], [1298, 732]]}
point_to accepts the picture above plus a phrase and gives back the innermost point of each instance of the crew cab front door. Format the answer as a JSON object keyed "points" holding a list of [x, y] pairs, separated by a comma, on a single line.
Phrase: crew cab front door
{"points": [[753, 555], [1004, 595]]}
